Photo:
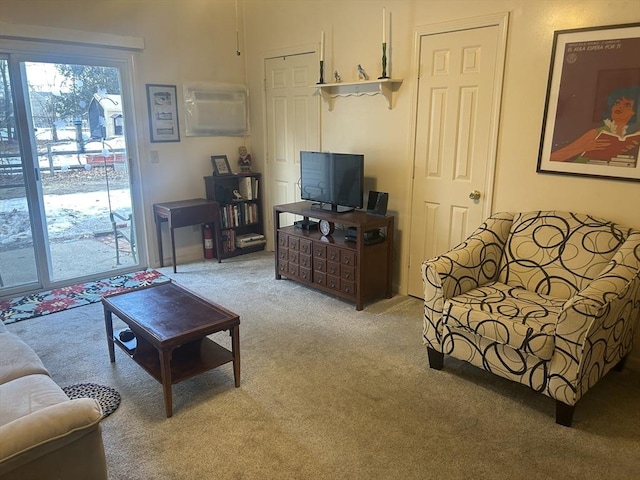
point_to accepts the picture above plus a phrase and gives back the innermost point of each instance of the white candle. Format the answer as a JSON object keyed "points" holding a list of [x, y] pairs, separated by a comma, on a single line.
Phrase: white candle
{"points": [[322, 46], [384, 25]]}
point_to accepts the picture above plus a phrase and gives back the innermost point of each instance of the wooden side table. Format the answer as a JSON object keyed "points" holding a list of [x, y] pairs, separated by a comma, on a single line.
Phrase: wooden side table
{"points": [[181, 213]]}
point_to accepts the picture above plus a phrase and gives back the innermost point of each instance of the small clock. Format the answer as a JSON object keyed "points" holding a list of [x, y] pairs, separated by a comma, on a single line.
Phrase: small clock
{"points": [[326, 227]]}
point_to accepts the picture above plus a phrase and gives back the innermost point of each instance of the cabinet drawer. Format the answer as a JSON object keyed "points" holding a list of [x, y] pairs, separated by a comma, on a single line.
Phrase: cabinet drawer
{"points": [[292, 269], [348, 287], [283, 253], [333, 254], [319, 250], [333, 268], [319, 278], [305, 260], [320, 265], [283, 240], [305, 273], [348, 257], [293, 256], [333, 282], [347, 273], [294, 243], [305, 246], [283, 266]]}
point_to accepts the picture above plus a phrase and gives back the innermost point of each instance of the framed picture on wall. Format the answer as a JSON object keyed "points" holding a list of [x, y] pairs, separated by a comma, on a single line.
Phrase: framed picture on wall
{"points": [[163, 113], [592, 113]]}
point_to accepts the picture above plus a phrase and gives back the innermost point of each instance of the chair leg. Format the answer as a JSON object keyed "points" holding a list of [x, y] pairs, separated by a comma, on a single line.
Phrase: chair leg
{"points": [[436, 359], [564, 413], [620, 365]]}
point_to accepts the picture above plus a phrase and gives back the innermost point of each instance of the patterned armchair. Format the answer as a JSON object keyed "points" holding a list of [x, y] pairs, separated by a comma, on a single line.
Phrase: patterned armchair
{"points": [[546, 299]]}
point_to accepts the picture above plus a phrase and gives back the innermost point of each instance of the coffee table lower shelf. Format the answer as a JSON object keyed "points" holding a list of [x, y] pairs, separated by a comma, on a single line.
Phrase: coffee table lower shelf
{"points": [[187, 360]]}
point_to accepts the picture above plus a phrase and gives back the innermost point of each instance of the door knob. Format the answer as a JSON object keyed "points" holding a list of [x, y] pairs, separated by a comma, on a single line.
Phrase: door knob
{"points": [[475, 195]]}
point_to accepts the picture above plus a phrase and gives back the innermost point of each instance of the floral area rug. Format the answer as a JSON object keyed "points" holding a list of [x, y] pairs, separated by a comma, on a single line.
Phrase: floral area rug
{"points": [[58, 299]]}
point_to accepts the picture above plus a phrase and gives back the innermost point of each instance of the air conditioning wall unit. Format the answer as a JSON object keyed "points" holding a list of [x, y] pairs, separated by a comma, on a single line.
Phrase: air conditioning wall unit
{"points": [[215, 109]]}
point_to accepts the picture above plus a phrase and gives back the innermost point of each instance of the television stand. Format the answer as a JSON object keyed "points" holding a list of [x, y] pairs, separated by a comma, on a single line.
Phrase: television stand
{"points": [[354, 270]]}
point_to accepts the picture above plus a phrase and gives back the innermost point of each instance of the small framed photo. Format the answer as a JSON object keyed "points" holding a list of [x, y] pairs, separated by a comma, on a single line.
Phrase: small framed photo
{"points": [[163, 113], [221, 165]]}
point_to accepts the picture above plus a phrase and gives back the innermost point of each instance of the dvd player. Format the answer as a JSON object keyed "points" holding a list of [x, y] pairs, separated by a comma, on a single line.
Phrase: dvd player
{"points": [[369, 237]]}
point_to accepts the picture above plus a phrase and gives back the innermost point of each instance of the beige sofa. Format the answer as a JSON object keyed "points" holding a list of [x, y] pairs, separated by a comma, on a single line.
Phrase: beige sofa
{"points": [[43, 434]]}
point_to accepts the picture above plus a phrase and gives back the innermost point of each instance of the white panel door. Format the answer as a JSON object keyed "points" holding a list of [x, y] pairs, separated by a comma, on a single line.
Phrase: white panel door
{"points": [[454, 141], [292, 124]]}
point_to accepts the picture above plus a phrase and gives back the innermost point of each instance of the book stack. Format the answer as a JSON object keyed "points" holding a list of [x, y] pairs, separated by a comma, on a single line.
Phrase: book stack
{"points": [[249, 240], [623, 161]]}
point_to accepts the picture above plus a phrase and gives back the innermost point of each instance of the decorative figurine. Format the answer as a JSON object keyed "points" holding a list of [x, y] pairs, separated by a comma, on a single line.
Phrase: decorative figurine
{"points": [[336, 77], [362, 75], [244, 160]]}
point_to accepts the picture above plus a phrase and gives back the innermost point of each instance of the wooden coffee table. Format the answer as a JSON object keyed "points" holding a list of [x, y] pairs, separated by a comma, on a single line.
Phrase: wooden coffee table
{"points": [[171, 324]]}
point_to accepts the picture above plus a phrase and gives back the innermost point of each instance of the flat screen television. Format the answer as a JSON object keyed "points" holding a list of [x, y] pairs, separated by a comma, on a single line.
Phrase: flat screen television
{"points": [[333, 181]]}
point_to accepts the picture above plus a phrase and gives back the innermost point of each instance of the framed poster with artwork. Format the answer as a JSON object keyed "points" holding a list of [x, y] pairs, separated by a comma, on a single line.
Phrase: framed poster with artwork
{"points": [[163, 113], [592, 121]]}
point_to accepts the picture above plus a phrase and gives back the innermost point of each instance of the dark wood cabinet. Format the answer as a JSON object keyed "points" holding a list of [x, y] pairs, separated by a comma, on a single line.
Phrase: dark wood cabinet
{"points": [[238, 227], [354, 270]]}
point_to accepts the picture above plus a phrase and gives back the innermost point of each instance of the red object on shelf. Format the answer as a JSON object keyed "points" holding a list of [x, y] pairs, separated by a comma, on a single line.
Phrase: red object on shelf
{"points": [[208, 241]]}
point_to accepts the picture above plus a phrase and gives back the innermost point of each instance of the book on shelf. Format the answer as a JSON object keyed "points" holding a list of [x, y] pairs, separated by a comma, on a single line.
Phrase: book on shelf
{"points": [[245, 188], [618, 146], [250, 244], [228, 241], [238, 215], [250, 239]]}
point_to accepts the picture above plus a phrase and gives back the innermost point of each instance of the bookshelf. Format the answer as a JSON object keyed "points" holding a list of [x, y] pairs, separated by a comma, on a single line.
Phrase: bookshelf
{"points": [[238, 227]]}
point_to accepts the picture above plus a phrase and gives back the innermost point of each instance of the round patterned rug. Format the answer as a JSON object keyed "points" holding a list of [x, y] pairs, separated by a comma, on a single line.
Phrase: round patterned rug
{"points": [[107, 397]]}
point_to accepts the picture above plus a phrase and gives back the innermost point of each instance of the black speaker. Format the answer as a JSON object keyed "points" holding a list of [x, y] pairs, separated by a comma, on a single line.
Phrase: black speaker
{"points": [[377, 204]]}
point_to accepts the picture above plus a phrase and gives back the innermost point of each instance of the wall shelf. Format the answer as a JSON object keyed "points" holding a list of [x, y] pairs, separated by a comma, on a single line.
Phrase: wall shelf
{"points": [[385, 86]]}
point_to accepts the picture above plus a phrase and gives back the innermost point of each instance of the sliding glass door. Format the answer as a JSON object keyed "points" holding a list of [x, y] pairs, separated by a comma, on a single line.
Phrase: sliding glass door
{"points": [[66, 210], [17, 255]]}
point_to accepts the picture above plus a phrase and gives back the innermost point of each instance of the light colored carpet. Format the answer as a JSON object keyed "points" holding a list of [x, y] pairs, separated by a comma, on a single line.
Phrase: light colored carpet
{"points": [[331, 393]]}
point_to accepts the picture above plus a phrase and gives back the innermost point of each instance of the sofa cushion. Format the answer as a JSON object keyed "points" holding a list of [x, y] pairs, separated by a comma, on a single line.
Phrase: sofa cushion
{"points": [[558, 253], [28, 394], [63, 440], [508, 315], [17, 359]]}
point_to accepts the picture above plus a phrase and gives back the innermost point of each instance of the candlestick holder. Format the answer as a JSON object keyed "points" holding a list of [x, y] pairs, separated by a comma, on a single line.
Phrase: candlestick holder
{"points": [[384, 61], [321, 81]]}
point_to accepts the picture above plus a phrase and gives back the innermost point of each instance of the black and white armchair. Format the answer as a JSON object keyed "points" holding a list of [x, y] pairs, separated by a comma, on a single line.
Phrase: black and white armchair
{"points": [[547, 299]]}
